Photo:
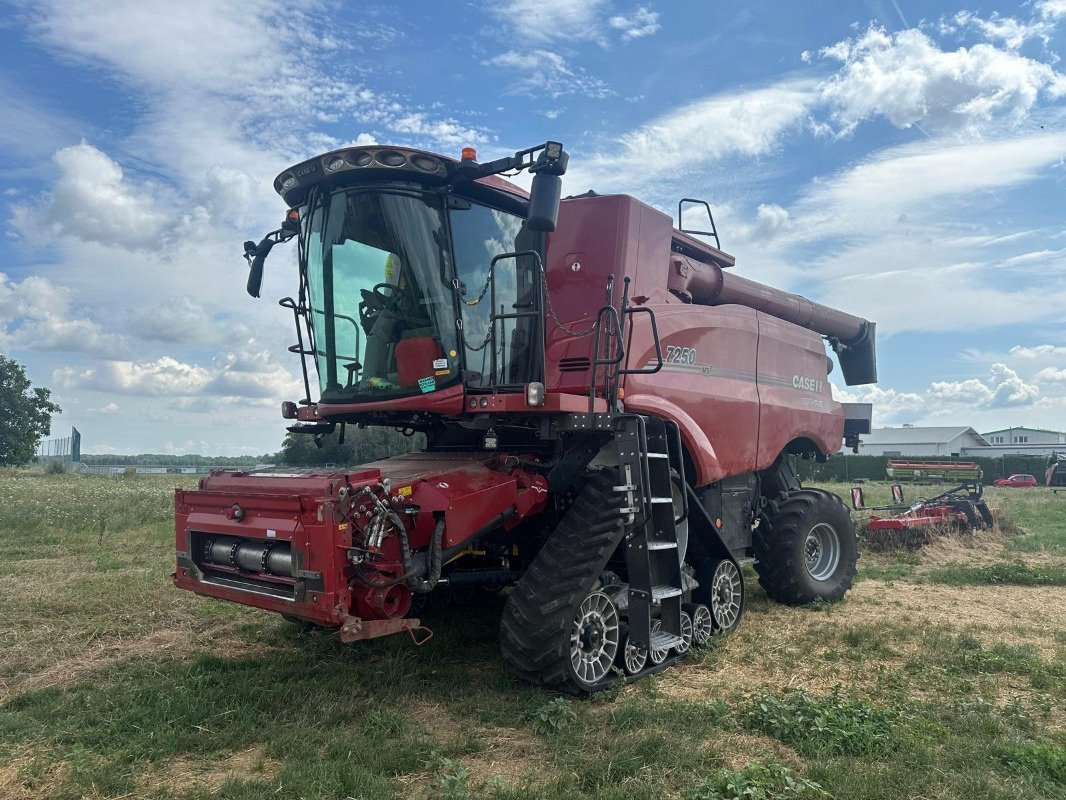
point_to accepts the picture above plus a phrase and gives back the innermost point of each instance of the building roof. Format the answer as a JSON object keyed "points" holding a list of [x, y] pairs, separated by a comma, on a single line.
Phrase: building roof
{"points": [[916, 435], [1023, 428]]}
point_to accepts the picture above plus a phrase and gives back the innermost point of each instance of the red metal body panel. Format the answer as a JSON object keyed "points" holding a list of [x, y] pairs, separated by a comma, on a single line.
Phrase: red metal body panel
{"points": [[936, 515], [740, 383], [596, 237], [306, 511], [707, 385], [795, 395]]}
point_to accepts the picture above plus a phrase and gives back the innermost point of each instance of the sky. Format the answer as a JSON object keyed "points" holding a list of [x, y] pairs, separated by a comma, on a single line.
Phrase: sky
{"points": [[901, 160]]}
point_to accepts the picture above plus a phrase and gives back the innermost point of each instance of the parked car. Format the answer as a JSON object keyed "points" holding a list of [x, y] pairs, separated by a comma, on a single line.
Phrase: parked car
{"points": [[1020, 481]]}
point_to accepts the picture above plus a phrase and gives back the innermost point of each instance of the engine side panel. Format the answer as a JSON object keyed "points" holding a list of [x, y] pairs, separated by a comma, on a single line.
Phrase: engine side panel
{"points": [[797, 400], [709, 373]]}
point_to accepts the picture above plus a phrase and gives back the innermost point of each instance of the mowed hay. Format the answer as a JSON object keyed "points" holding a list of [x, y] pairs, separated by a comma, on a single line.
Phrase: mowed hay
{"points": [[737, 749], [19, 781], [188, 775], [507, 755], [779, 647]]}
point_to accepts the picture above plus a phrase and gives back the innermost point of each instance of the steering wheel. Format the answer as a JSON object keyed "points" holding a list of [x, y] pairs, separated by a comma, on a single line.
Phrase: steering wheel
{"points": [[375, 300]]}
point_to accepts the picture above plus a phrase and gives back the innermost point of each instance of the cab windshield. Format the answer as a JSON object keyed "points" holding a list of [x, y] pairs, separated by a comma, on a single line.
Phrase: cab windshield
{"points": [[381, 307]]}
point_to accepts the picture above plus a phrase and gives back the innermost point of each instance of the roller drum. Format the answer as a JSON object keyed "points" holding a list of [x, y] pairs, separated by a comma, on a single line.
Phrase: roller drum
{"points": [[273, 558]]}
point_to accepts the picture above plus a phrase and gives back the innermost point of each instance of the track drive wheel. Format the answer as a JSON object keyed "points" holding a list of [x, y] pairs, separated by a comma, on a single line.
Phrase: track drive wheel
{"points": [[558, 629], [809, 550]]}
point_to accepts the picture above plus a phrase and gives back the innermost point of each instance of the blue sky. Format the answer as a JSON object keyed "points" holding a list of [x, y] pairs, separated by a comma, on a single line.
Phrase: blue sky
{"points": [[902, 160]]}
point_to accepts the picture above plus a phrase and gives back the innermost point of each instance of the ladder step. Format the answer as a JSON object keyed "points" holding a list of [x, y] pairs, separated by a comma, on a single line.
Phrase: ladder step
{"points": [[661, 500], [664, 592], [663, 641], [629, 487], [654, 545], [658, 455]]}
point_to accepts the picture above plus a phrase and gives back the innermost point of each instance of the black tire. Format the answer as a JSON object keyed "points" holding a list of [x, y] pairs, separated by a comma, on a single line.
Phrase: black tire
{"points": [[783, 548], [535, 631]]}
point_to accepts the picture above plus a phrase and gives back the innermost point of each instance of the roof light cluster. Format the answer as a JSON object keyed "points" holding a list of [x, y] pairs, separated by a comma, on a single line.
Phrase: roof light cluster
{"points": [[341, 161]]}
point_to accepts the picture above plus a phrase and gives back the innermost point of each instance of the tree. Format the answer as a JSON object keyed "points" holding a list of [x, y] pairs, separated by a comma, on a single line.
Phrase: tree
{"points": [[360, 446], [25, 414]]}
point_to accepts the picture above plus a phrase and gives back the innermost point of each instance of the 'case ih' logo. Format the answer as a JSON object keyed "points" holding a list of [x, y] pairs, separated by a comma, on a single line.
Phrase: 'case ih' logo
{"points": [[807, 384]]}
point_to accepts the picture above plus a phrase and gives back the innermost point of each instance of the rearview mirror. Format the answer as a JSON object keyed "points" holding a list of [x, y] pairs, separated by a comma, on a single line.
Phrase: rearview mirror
{"points": [[544, 202]]}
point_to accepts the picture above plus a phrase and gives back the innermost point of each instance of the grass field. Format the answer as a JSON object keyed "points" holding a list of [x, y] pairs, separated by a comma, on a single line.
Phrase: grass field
{"points": [[942, 675]]}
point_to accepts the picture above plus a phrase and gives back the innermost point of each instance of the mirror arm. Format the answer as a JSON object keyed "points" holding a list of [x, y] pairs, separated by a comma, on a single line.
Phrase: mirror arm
{"points": [[255, 255]]}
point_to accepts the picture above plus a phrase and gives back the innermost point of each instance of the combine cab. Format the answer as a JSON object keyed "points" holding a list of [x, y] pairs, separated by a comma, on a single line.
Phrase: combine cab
{"points": [[610, 414]]}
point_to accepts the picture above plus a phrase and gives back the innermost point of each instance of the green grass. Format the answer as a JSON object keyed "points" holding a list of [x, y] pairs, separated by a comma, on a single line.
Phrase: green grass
{"points": [[1016, 573], [113, 684]]}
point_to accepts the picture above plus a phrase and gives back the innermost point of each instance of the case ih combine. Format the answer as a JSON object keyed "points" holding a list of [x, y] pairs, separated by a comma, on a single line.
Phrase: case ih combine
{"points": [[610, 418]]}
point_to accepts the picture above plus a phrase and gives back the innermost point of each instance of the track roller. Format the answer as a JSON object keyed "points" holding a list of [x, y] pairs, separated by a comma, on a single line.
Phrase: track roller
{"points": [[702, 623]]}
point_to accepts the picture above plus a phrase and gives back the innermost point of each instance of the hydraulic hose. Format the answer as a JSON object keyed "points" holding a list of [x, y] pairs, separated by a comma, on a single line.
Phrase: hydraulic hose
{"points": [[409, 576]]}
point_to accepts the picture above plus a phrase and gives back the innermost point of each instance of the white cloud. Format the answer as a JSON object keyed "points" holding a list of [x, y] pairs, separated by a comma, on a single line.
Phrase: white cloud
{"points": [[543, 72], [251, 373], [769, 219], [1012, 32], [873, 194], [748, 123], [548, 21], [180, 321], [1003, 389], [1051, 375], [908, 79], [93, 201], [36, 314], [641, 22], [106, 408], [1040, 351], [165, 376], [889, 405], [1051, 9]]}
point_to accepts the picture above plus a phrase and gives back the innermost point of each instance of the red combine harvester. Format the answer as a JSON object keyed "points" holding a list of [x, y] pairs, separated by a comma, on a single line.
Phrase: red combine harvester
{"points": [[610, 417]]}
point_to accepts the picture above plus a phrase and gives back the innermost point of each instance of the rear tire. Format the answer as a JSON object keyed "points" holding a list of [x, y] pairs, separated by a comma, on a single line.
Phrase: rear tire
{"points": [[809, 549]]}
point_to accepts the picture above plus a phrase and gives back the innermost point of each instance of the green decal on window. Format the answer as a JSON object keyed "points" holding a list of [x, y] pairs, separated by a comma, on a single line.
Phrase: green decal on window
{"points": [[427, 384]]}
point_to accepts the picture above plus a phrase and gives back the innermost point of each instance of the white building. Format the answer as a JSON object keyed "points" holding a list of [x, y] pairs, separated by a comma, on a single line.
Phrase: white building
{"points": [[1025, 436], [910, 440], [1022, 441]]}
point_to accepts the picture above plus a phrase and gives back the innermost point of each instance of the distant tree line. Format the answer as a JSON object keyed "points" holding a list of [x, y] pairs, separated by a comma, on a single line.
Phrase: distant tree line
{"points": [[297, 450], [359, 447], [187, 460]]}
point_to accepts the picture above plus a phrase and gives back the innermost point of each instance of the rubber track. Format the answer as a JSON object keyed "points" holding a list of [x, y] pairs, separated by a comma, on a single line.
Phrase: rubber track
{"points": [[775, 562], [535, 628]]}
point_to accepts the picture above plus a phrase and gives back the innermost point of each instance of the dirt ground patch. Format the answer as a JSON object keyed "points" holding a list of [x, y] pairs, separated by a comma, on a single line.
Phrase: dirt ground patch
{"points": [[1011, 614], [738, 749], [507, 756], [779, 647], [183, 775], [18, 783]]}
